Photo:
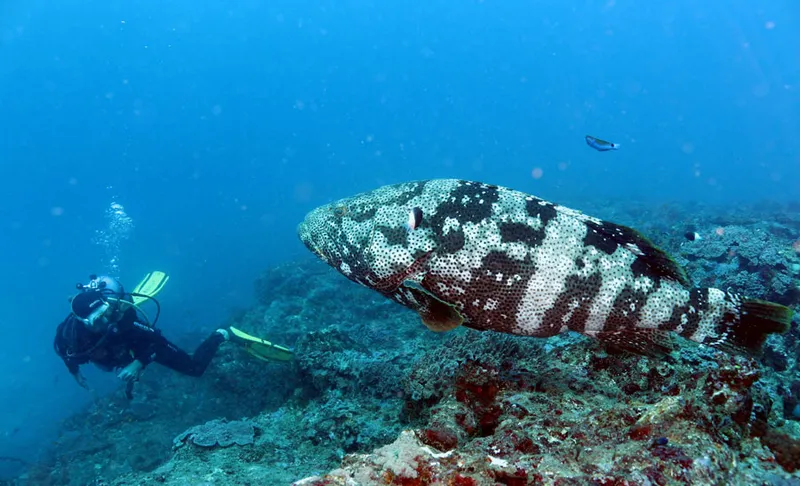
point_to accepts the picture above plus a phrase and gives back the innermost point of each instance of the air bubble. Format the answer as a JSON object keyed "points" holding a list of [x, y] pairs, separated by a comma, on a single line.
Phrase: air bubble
{"points": [[119, 227]]}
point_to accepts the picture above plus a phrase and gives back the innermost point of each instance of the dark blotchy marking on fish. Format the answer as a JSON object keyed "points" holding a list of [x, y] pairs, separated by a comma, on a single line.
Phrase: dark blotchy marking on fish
{"points": [[520, 232], [394, 236], [359, 215], [500, 289], [692, 312], [409, 192], [358, 265], [501, 293], [627, 309], [538, 208], [468, 203], [607, 237], [596, 237], [572, 309], [453, 241], [492, 258]]}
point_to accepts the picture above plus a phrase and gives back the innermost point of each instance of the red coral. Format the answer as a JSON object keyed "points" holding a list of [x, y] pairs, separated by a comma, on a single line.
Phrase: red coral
{"points": [[631, 388], [785, 448], [466, 420], [513, 441], [600, 363], [459, 480], [673, 454], [477, 387], [655, 475], [743, 408], [440, 437], [612, 481], [425, 475], [517, 478], [640, 432]]}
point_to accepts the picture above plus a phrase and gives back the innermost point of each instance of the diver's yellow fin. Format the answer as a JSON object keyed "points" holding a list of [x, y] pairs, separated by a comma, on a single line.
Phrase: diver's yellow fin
{"points": [[260, 348], [150, 286]]}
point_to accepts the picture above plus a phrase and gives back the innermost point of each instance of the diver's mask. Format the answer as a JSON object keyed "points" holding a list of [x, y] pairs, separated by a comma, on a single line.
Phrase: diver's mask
{"points": [[93, 310], [99, 302]]}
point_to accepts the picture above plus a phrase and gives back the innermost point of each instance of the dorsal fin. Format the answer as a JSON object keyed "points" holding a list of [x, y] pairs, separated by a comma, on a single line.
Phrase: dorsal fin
{"points": [[650, 259]]}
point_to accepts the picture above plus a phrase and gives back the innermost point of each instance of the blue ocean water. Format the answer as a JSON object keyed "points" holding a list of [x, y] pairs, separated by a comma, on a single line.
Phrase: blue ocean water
{"points": [[217, 125]]}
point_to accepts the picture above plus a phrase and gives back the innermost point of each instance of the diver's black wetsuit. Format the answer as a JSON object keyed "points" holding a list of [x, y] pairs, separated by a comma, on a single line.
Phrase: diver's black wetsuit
{"points": [[125, 341]]}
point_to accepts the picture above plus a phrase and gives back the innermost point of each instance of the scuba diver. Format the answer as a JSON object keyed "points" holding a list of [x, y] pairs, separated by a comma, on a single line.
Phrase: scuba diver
{"points": [[107, 327]]}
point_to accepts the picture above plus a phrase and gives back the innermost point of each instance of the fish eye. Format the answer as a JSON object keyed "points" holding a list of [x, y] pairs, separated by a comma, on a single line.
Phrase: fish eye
{"points": [[340, 211]]}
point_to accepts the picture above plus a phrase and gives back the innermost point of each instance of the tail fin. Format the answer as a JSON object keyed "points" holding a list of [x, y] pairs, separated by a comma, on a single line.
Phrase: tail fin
{"points": [[758, 319]]}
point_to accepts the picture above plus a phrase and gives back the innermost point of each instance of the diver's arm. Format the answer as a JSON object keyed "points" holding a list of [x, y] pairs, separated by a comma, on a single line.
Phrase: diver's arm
{"points": [[73, 364], [132, 371], [74, 369], [80, 379]]}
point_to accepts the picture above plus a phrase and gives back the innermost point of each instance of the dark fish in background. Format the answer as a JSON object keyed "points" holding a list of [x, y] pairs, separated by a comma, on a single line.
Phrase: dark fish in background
{"points": [[692, 236], [491, 258], [601, 145]]}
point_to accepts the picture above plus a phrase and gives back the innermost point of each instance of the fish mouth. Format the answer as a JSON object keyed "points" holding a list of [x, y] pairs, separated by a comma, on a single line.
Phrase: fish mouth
{"points": [[313, 234], [321, 231]]}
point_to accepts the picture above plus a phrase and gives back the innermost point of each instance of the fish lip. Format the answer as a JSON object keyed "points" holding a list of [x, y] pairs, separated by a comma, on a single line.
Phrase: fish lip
{"points": [[313, 231], [306, 235], [308, 239]]}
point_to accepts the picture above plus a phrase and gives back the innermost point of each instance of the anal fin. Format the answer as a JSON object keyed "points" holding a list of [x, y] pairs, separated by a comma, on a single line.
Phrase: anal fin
{"points": [[647, 342]]}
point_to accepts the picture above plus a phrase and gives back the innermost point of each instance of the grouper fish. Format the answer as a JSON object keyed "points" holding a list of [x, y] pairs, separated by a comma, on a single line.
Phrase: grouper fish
{"points": [[492, 258]]}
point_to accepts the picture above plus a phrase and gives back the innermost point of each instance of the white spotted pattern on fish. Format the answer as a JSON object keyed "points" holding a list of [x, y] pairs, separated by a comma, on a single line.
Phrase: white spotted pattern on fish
{"points": [[492, 258]]}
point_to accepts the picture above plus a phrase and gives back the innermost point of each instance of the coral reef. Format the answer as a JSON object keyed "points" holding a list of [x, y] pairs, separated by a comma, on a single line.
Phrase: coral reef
{"points": [[374, 398], [602, 419], [218, 433]]}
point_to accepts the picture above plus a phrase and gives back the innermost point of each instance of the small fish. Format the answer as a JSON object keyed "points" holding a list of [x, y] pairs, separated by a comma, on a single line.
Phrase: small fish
{"points": [[414, 219], [692, 236], [491, 258], [601, 145]]}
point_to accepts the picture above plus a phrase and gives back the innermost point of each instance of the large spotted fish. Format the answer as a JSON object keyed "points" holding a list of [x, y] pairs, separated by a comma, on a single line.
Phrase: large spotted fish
{"points": [[491, 258]]}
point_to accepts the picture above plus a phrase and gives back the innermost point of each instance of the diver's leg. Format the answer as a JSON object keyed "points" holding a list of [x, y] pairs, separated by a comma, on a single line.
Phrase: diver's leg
{"points": [[179, 360]]}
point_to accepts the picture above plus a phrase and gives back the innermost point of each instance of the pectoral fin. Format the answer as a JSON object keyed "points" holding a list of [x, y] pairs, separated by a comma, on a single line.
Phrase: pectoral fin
{"points": [[437, 315]]}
